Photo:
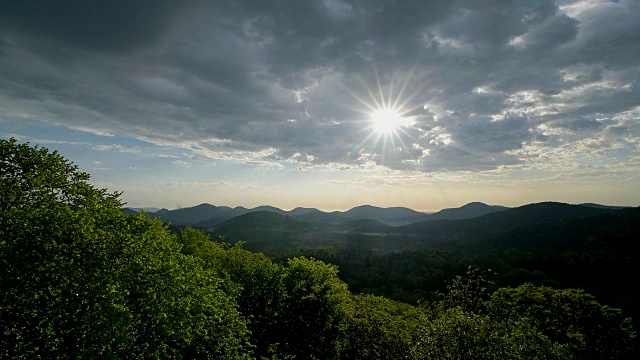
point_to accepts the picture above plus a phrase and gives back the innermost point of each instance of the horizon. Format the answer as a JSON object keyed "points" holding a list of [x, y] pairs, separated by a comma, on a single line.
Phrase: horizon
{"points": [[333, 103], [362, 205]]}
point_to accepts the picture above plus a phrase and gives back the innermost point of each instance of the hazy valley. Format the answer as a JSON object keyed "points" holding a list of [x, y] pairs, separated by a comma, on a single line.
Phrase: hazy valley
{"points": [[268, 228]]}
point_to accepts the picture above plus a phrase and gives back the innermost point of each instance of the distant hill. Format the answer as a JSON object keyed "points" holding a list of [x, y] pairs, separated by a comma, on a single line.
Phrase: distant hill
{"points": [[270, 209], [190, 215], [398, 216], [604, 206], [208, 216], [392, 216], [363, 225], [262, 229], [381, 214], [301, 211], [612, 226], [468, 211], [320, 217], [538, 213], [145, 209], [507, 219], [261, 220], [447, 232]]}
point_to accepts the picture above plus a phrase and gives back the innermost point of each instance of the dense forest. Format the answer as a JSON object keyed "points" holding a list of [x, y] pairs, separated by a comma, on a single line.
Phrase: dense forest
{"points": [[596, 253], [81, 278]]}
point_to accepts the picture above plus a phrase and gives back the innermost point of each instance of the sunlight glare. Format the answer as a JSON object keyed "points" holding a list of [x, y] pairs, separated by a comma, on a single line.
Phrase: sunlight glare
{"points": [[386, 121]]}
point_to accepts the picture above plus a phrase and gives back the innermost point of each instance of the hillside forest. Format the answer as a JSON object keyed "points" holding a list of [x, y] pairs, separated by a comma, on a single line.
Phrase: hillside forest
{"points": [[82, 276]]}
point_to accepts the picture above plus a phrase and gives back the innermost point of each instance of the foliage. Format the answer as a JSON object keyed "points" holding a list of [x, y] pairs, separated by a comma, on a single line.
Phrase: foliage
{"points": [[292, 311], [469, 292], [311, 315], [570, 318], [378, 328], [33, 177], [526, 322], [82, 279], [455, 334], [253, 279]]}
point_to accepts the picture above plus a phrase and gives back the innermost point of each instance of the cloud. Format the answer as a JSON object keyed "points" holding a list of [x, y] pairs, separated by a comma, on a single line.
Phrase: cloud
{"points": [[197, 184], [116, 26], [116, 147], [181, 163], [259, 83]]}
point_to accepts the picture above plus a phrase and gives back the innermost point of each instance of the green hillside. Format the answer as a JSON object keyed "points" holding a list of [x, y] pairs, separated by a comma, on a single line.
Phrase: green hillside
{"points": [[262, 230]]}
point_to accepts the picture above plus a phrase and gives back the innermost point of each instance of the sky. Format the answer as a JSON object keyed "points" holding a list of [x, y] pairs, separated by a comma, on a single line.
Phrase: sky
{"points": [[331, 103]]}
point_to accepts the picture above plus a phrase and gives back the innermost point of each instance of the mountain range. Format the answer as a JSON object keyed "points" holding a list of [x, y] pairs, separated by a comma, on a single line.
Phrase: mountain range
{"points": [[267, 228], [207, 215]]}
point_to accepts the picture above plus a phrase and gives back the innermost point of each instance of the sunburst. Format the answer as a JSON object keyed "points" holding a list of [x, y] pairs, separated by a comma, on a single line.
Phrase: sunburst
{"points": [[389, 125], [387, 121]]}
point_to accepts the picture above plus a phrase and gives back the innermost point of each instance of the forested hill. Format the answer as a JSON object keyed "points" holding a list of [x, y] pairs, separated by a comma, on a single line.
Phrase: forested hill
{"points": [[468, 211], [494, 224], [265, 229], [521, 216]]}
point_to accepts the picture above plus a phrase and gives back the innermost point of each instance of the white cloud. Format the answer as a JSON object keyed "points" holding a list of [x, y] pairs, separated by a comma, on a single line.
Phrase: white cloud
{"points": [[181, 163], [198, 184], [117, 148]]}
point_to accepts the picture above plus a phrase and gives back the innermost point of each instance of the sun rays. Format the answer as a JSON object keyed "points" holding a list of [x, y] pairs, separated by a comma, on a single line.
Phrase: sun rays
{"points": [[389, 125]]}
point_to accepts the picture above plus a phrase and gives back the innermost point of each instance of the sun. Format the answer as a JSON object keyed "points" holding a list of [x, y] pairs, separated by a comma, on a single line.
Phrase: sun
{"points": [[389, 125], [385, 121]]}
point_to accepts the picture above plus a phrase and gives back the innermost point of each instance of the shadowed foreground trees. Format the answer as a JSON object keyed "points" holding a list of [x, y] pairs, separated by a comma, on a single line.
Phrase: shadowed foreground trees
{"points": [[80, 279], [527, 322]]}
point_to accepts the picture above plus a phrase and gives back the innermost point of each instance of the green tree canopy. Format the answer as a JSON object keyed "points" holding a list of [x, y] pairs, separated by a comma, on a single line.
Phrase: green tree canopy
{"points": [[82, 279], [33, 177], [570, 318], [526, 322]]}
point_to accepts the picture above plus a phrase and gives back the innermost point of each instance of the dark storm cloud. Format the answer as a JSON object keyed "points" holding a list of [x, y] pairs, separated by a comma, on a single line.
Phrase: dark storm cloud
{"points": [[286, 80], [109, 26]]}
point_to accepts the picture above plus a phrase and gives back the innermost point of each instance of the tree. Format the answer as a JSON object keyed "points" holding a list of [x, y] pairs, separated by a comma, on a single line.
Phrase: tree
{"points": [[468, 292], [82, 279], [293, 312], [254, 280], [310, 314], [526, 322], [572, 319], [33, 177], [378, 328]]}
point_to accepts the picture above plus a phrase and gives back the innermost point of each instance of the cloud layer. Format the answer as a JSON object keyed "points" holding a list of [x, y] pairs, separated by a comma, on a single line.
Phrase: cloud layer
{"points": [[487, 84]]}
